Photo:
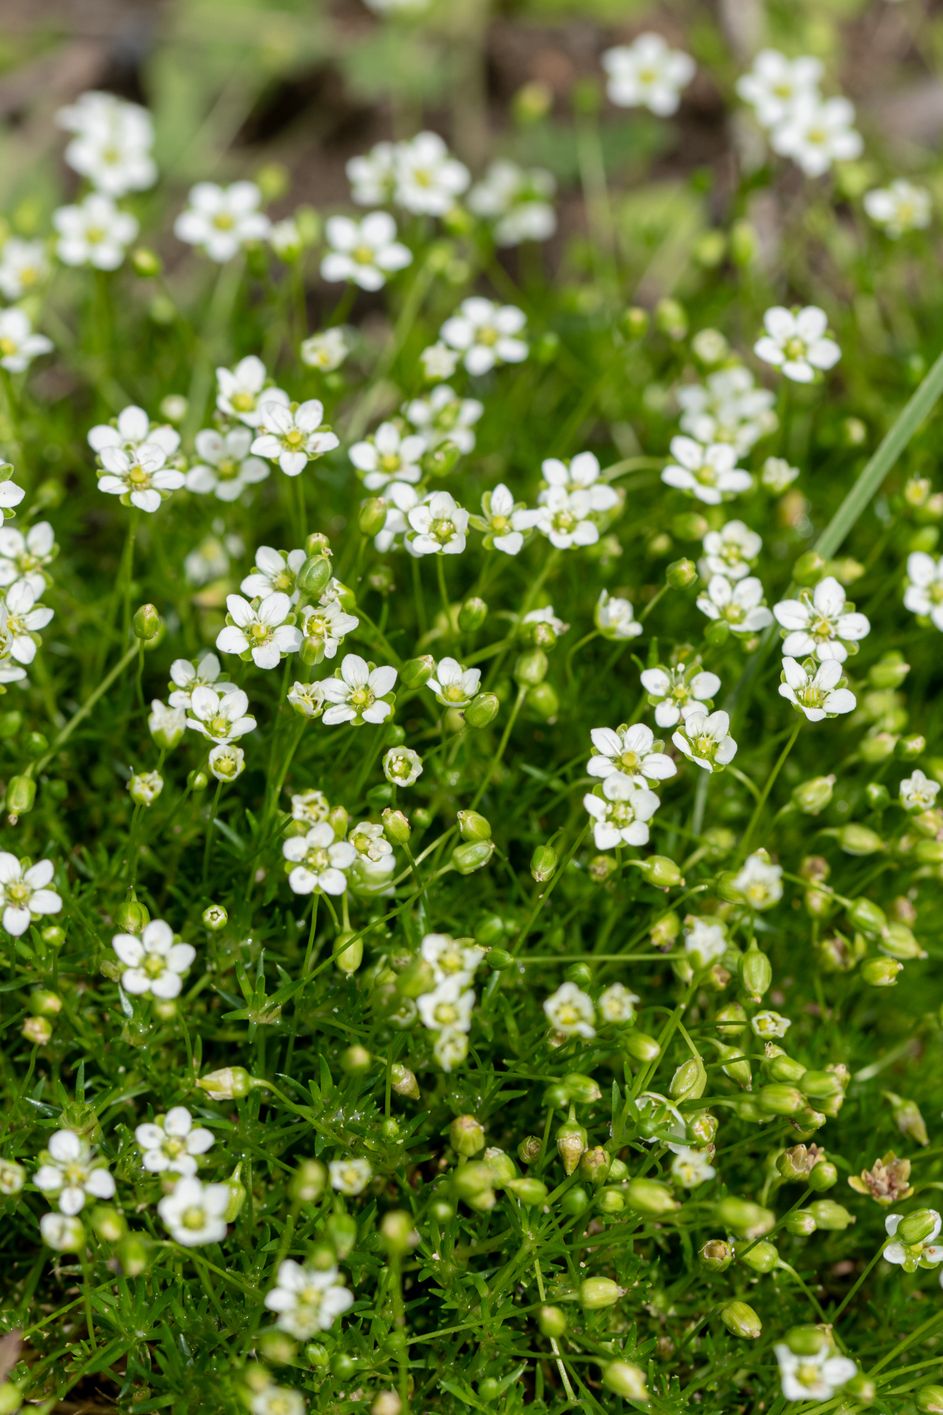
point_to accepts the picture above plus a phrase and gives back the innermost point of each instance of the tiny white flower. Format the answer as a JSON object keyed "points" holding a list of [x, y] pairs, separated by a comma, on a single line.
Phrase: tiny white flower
{"points": [[94, 232], [359, 692], [25, 895], [307, 699], [517, 202], [324, 627], [325, 351], [242, 391], [12, 1177], [21, 619], [350, 1176], [222, 717], [226, 761], [222, 221], [307, 1300], [439, 362], [647, 74], [225, 468], [261, 632], [728, 407], [141, 476], [732, 551], [453, 685], [775, 84], [277, 1400], [293, 436], [24, 556], [171, 1142], [759, 882], [814, 688], [739, 604], [19, 346], [924, 592], [319, 860], [372, 175], [23, 267], [437, 525], [705, 738], [621, 813], [813, 1377], [427, 180], [616, 1004], [310, 806], [144, 787], [571, 500], [448, 1006], [62, 1232], [899, 207], [442, 416], [195, 1213], [185, 676], [615, 618], [451, 957], [389, 455], [797, 341], [130, 431], [450, 1048], [629, 752], [274, 572], [777, 475], [690, 1167], [365, 252], [486, 334], [816, 133], [402, 766], [705, 941], [111, 143], [570, 1011], [769, 1024], [926, 1253], [504, 521], [155, 963], [918, 792], [820, 622], [707, 473], [673, 690], [71, 1173]]}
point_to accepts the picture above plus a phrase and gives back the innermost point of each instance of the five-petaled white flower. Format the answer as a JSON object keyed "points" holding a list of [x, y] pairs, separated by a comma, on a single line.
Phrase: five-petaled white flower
{"points": [[442, 416], [672, 691], [225, 467], [25, 556], [820, 622], [517, 202], [23, 266], [19, 346], [24, 892], [274, 572], [708, 473], [141, 476], [350, 1176], [22, 619], [798, 342], [359, 692], [222, 717], [185, 676], [170, 1143], [453, 685], [647, 74], [242, 391], [486, 334], [111, 142], [222, 220], [448, 1006], [307, 1299], [70, 1172], [814, 688], [705, 738], [704, 940], [691, 1167], [325, 351], [759, 882], [293, 436], [775, 83], [154, 964], [813, 1377], [924, 592], [94, 232], [319, 861], [503, 520], [918, 792], [899, 207], [614, 617], [437, 525], [427, 179], [195, 1213], [366, 252], [262, 631], [629, 752], [731, 551], [402, 766], [617, 1004], [570, 1011], [324, 626], [728, 407], [621, 813], [390, 454], [738, 603], [131, 430], [817, 132]]}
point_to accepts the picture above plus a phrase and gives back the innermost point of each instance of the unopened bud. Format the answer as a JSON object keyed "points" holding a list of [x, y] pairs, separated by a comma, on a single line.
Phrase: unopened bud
{"points": [[146, 623], [599, 1292], [551, 1321], [648, 1196], [473, 826], [543, 863], [681, 574], [661, 871], [812, 796], [482, 710], [466, 1135], [21, 793], [531, 668], [472, 615], [626, 1379], [227, 1084], [880, 972], [740, 1319], [474, 855]]}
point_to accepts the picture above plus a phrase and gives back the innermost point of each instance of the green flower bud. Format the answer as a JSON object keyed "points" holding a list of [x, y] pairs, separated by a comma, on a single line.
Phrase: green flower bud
{"points": [[780, 1099], [404, 1081], [800, 1223], [466, 859], [21, 794], [857, 840], [397, 1232], [743, 1217], [829, 1216], [889, 672], [880, 972], [670, 319], [689, 1081], [543, 863], [237, 1194], [584, 1090], [899, 942], [744, 244], [930, 1399], [648, 1196], [635, 322], [529, 1191], [662, 872], [146, 623], [595, 1165], [372, 516], [914, 1228], [824, 1176], [599, 1292], [552, 1322], [611, 1201], [226, 1084], [146, 263], [812, 796], [472, 615], [544, 701], [908, 1119], [756, 973], [867, 916], [531, 668], [134, 1254], [308, 1182], [571, 1142], [473, 1181], [347, 952], [740, 1320], [466, 1135], [877, 795], [642, 1047], [314, 575], [396, 825], [681, 574], [473, 826], [482, 710], [626, 1379], [762, 1257], [809, 567], [132, 916], [356, 1060], [214, 917]]}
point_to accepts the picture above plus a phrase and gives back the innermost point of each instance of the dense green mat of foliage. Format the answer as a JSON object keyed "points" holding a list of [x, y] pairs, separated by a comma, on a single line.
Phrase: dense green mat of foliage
{"points": [[471, 856]]}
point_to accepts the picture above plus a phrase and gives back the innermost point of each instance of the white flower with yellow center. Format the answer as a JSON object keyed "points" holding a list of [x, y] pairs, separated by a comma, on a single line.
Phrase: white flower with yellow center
{"points": [[222, 221], [437, 525], [155, 963], [25, 895], [453, 685], [140, 478], [19, 346], [365, 252], [570, 1011], [171, 1143], [739, 604], [813, 1377], [647, 73], [899, 208], [708, 473], [293, 436], [731, 551], [307, 1299], [621, 813], [390, 454], [918, 792], [759, 882], [241, 391], [94, 232], [359, 692], [705, 738], [814, 688], [260, 632], [672, 691], [23, 267], [195, 1213], [628, 752], [924, 592], [821, 623], [225, 468], [350, 1176], [691, 1167], [797, 342], [486, 335], [70, 1173], [318, 860], [817, 132], [222, 717], [449, 1006]]}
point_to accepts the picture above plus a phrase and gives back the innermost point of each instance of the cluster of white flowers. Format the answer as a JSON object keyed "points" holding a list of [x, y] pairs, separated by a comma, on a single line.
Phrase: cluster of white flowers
{"points": [[625, 761], [801, 123], [821, 629], [571, 1011], [446, 1008]]}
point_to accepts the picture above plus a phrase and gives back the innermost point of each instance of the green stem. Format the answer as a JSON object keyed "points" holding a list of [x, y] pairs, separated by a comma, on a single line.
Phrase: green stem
{"points": [[767, 788], [83, 712]]}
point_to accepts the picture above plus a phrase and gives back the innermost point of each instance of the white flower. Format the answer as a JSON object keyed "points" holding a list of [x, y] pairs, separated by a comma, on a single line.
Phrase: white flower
{"points": [[325, 351], [242, 391], [673, 690], [486, 334], [926, 1253], [647, 74], [759, 881], [437, 525], [310, 806], [23, 266], [691, 1167], [451, 957], [820, 622], [918, 792], [261, 631], [222, 220], [817, 132], [402, 766], [615, 618], [427, 180], [769, 1024], [813, 688], [221, 717], [307, 1299], [453, 685], [293, 436], [70, 1172], [132, 430], [924, 592], [777, 475], [570, 1011], [571, 497], [62, 1232], [629, 752], [278, 1400], [390, 454], [10, 494], [12, 1177], [307, 699], [195, 1213], [707, 473], [814, 1377], [438, 362], [225, 468], [274, 572], [94, 232], [704, 940], [503, 520], [372, 175], [518, 203], [442, 416], [542, 627], [319, 860], [141, 476], [775, 83], [358, 692], [705, 738], [23, 557], [24, 893], [154, 964], [350, 1176], [797, 341], [112, 143], [326, 625], [171, 1142], [366, 252], [21, 619], [621, 814], [617, 1004], [144, 787], [732, 551], [728, 407], [185, 676], [448, 1006], [18, 344], [738, 604], [899, 207], [450, 1048]]}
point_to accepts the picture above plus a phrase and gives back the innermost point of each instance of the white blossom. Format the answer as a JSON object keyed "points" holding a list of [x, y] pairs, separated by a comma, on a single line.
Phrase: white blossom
{"points": [[141, 476], [437, 525], [775, 83], [292, 436], [630, 753], [797, 341], [350, 1176], [817, 132], [705, 738], [427, 179], [262, 631], [24, 556], [94, 232], [195, 1213], [443, 416], [820, 622], [243, 391], [673, 690], [132, 430], [812, 1377], [899, 207], [814, 688], [503, 520], [647, 74], [517, 202], [19, 346], [738, 603], [453, 685], [171, 1143], [918, 792], [70, 1172], [23, 266], [224, 468], [486, 334], [707, 473], [186, 676], [614, 617], [731, 551], [759, 881], [25, 895], [359, 692], [319, 860], [390, 454], [728, 407], [325, 351], [620, 813], [222, 221], [705, 940], [155, 963], [924, 592], [222, 717], [366, 251], [307, 1299], [570, 1011]]}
